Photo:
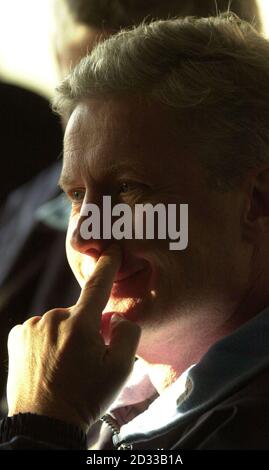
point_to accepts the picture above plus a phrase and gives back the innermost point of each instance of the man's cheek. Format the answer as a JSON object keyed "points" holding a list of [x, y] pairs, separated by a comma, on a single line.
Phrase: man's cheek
{"points": [[74, 259]]}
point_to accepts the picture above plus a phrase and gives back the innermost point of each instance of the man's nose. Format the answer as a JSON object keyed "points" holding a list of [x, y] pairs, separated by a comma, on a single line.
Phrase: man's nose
{"points": [[93, 247]]}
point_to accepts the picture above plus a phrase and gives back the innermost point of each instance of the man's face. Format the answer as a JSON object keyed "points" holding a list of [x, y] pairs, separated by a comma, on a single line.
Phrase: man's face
{"points": [[125, 149]]}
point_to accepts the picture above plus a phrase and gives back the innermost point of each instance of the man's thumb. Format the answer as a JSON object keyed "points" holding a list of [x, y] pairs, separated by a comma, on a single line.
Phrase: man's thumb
{"points": [[124, 339]]}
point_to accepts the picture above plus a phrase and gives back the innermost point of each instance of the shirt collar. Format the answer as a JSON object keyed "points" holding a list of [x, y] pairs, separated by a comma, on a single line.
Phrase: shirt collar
{"points": [[226, 367]]}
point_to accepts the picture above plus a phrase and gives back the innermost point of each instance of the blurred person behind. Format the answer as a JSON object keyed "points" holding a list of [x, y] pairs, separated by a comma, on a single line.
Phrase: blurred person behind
{"points": [[31, 136]]}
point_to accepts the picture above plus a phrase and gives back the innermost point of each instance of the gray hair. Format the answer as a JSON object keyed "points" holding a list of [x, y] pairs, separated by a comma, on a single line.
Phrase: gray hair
{"points": [[212, 73]]}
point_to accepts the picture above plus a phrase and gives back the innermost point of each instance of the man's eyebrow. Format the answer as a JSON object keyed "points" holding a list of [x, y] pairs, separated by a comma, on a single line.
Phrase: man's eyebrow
{"points": [[65, 180], [113, 169]]}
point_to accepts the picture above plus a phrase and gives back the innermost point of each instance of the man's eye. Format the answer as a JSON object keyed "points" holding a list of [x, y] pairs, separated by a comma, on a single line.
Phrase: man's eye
{"points": [[77, 195], [126, 187]]}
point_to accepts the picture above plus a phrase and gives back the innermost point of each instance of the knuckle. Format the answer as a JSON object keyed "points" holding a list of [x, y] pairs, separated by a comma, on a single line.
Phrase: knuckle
{"points": [[13, 334], [55, 315], [14, 330], [96, 282], [31, 321]]}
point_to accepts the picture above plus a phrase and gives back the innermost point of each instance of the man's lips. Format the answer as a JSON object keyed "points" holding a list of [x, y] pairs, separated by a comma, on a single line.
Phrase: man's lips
{"points": [[124, 276], [130, 267]]}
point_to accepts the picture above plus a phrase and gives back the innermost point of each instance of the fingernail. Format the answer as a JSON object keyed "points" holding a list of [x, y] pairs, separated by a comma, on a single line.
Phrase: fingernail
{"points": [[116, 317]]}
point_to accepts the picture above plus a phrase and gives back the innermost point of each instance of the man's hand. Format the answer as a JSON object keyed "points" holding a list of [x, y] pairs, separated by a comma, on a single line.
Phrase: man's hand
{"points": [[59, 364]]}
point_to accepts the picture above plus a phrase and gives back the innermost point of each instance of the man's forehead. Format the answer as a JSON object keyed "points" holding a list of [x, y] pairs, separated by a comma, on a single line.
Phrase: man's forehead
{"points": [[75, 125], [115, 133], [114, 115], [94, 141], [99, 125]]}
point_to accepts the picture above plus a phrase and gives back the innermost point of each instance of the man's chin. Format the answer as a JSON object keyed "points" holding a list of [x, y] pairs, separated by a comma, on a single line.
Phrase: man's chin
{"points": [[135, 309], [122, 306]]}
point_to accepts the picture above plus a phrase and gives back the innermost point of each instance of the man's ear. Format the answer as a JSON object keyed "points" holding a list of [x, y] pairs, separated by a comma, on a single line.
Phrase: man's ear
{"points": [[256, 215]]}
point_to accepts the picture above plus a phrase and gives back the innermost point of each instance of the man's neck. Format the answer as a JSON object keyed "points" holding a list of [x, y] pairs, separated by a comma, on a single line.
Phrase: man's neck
{"points": [[170, 351]]}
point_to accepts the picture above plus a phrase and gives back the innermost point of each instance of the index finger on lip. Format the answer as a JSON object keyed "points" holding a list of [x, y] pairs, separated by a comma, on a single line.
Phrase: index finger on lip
{"points": [[95, 294]]}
